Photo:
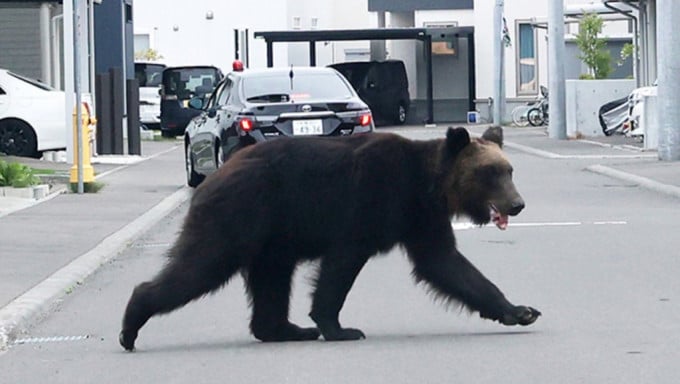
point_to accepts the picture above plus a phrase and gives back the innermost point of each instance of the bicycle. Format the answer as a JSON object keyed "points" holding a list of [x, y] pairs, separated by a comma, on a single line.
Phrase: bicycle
{"points": [[520, 114], [538, 115]]}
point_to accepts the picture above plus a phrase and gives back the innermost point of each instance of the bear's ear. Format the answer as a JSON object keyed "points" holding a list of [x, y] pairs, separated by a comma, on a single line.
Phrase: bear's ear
{"points": [[457, 139], [494, 134]]}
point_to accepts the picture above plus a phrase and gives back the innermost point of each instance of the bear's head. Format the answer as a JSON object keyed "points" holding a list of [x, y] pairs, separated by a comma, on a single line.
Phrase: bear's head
{"points": [[478, 178]]}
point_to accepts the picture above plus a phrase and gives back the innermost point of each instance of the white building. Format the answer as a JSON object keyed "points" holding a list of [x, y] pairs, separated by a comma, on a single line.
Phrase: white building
{"points": [[203, 33]]}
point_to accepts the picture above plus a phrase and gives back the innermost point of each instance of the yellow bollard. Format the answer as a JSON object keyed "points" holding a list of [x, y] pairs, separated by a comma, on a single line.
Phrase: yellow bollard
{"points": [[88, 171]]}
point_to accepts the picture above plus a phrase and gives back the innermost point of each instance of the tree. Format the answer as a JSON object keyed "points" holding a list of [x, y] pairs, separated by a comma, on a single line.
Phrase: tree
{"points": [[593, 52], [148, 55]]}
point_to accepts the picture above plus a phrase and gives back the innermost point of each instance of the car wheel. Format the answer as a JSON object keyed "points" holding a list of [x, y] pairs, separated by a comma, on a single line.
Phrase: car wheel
{"points": [[219, 156], [18, 139], [400, 117], [193, 178]]}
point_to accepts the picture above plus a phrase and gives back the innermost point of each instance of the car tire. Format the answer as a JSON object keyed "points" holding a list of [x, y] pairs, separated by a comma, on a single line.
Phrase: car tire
{"points": [[400, 114], [17, 138], [219, 155], [193, 178]]}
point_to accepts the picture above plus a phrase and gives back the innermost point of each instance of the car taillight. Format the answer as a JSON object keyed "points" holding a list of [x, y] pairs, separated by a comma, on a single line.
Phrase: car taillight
{"points": [[365, 119], [246, 124]]}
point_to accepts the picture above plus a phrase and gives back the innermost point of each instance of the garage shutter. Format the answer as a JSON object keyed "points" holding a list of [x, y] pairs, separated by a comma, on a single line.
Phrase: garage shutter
{"points": [[20, 38]]}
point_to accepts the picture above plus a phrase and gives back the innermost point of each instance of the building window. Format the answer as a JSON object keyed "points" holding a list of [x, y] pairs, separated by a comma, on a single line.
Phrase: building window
{"points": [[527, 59], [296, 22], [314, 23]]}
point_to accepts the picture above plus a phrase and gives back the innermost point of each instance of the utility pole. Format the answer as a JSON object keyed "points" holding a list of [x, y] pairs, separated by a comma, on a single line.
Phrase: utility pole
{"points": [[557, 128], [668, 12], [498, 73]]}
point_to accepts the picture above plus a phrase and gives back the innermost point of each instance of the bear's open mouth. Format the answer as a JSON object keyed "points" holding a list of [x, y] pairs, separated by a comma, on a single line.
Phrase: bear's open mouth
{"points": [[498, 218]]}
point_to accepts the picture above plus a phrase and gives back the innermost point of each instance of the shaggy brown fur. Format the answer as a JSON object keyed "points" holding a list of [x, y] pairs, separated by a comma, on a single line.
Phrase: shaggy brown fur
{"points": [[341, 200]]}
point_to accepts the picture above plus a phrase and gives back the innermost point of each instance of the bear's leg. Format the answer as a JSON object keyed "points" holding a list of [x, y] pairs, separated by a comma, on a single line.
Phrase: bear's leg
{"points": [[177, 284], [336, 276], [452, 276], [269, 286]]}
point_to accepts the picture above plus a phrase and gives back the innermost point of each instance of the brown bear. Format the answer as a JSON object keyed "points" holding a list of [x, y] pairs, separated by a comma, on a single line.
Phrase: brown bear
{"points": [[341, 200]]}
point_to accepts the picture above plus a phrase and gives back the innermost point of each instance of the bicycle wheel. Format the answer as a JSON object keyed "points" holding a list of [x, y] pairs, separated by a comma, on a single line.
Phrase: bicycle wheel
{"points": [[520, 115], [535, 117]]}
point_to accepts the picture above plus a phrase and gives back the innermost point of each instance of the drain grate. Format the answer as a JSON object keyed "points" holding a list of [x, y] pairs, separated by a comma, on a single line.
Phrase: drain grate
{"points": [[51, 339]]}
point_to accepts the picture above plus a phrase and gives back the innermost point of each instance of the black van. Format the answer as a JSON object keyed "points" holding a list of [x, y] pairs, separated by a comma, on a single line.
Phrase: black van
{"points": [[383, 85], [179, 85]]}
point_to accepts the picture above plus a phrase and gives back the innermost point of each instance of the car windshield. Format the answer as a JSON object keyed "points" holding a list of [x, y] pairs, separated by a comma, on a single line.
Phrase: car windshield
{"points": [[32, 82], [190, 81], [281, 88], [149, 75]]}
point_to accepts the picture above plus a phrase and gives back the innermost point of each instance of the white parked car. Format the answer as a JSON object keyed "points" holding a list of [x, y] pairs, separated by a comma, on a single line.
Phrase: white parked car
{"points": [[32, 116], [149, 76]]}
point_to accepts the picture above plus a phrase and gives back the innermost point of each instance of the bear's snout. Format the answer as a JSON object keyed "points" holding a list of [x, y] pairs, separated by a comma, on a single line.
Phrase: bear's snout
{"points": [[516, 207]]}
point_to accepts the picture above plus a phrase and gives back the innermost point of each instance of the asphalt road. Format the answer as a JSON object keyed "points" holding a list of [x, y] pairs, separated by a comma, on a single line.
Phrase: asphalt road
{"points": [[597, 256]]}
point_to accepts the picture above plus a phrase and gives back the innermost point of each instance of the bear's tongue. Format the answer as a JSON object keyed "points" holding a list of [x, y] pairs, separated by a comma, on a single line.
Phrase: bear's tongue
{"points": [[500, 220]]}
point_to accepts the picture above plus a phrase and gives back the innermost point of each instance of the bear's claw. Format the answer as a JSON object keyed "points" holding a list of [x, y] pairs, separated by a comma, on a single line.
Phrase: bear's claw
{"points": [[520, 315]]}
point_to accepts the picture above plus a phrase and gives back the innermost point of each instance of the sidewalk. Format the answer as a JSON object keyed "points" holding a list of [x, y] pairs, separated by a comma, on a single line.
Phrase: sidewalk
{"points": [[48, 248]]}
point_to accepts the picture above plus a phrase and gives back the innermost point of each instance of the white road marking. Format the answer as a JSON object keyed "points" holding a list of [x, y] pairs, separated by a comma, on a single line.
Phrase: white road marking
{"points": [[462, 226]]}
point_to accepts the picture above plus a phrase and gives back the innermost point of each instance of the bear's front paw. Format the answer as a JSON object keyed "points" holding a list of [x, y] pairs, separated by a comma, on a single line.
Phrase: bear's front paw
{"points": [[520, 315]]}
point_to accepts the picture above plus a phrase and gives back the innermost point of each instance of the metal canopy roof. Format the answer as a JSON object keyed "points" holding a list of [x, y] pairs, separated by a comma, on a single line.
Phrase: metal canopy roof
{"points": [[426, 35], [363, 34]]}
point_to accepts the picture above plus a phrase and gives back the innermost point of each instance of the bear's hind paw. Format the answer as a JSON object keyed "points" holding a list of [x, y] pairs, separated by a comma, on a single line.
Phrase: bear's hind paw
{"points": [[343, 334], [127, 340]]}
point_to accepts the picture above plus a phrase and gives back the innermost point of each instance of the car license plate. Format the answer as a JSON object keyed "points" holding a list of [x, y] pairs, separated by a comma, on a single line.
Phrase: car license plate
{"points": [[307, 127]]}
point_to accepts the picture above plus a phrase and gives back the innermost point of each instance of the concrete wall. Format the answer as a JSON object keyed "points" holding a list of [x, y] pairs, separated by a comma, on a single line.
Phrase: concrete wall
{"points": [[584, 99]]}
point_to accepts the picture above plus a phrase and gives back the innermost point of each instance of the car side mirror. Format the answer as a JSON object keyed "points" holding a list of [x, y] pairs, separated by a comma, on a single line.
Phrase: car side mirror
{"points": [[212, 112], [196, 103]]}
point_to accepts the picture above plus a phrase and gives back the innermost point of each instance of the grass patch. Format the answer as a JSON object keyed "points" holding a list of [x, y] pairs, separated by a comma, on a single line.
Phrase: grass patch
{"points": [[44, 172], [93, 187]]}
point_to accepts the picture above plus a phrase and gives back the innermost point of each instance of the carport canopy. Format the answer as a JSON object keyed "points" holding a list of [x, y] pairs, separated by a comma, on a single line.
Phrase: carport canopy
{"points": [[426, 35]]}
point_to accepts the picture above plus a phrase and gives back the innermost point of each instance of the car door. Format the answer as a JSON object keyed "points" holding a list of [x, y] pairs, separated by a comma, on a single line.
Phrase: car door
{"points": [[206, 135], [4, 101], [230, 108]]}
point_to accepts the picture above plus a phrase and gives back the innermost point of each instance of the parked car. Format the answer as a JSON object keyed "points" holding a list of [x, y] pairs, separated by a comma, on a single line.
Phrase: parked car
{"points": [[383, 85], [623, 115], [263, 104], [32, 116], [149, 76], [179, 85]]}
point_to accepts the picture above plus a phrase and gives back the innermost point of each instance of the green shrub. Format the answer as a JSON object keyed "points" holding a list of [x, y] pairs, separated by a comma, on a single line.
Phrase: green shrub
{"points": [[17, 175]]}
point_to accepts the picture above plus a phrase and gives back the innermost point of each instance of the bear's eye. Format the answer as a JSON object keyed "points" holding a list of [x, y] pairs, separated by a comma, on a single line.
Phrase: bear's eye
{"points": [[489, 172]]}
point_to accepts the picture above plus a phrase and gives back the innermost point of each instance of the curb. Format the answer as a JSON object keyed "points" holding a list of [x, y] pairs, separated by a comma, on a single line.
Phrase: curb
{"points": [[25, 309], [644, 182]]}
